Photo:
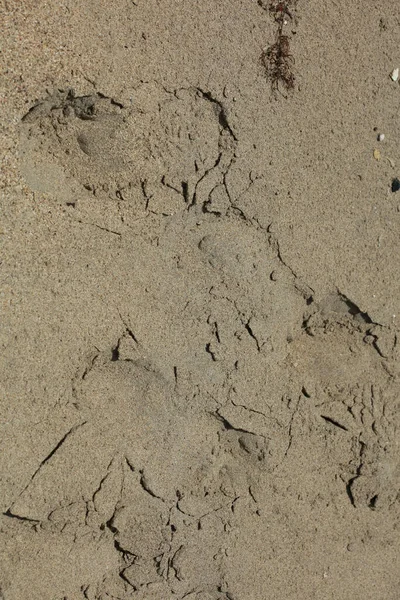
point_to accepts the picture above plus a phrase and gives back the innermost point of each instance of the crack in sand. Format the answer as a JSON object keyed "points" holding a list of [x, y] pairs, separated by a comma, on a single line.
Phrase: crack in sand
{"points": [[57, 447]]}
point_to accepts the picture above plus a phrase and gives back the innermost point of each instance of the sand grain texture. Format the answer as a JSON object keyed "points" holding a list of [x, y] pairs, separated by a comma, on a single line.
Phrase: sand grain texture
{"points": [[200, 302]]}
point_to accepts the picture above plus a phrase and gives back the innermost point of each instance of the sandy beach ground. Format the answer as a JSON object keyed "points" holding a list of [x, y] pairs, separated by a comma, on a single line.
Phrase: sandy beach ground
{"points": [[200, 300]]}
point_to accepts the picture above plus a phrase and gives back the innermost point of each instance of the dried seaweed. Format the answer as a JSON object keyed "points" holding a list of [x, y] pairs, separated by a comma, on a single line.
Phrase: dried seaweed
{"points": [[277, 59], [277, 62]]}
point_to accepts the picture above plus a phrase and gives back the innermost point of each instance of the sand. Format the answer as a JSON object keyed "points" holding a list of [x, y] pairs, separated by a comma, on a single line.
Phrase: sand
{"points": [[200, 301]]}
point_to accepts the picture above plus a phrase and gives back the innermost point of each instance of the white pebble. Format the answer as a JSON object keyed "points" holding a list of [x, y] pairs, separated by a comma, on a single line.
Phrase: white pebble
{"points": [[381, 137], [394, 74]]}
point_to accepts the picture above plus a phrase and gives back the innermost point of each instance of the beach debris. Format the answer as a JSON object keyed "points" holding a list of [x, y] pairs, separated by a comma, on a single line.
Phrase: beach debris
{"points": [[381, 137], [395, 185], [394, 75], [277, 59], [377, 154], [391, 162], [277, 62]]}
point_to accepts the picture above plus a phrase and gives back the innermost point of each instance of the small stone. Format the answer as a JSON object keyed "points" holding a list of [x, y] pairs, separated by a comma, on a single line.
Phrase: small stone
{"points": [[395, 185], [381, 137], [394, 75], [377, 154]]}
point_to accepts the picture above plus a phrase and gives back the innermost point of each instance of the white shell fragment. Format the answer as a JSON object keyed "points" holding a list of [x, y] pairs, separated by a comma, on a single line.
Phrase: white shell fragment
{"points": [[381, 137], [391, 163], [394, 75]]}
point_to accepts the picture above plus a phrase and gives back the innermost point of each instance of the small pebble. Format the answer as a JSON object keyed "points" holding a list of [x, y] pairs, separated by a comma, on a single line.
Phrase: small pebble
{"points": [[394, 75], [377, 155], [381, 137], [395, 184]]}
